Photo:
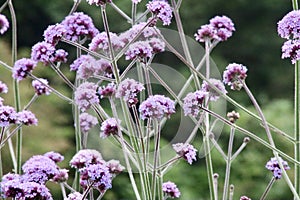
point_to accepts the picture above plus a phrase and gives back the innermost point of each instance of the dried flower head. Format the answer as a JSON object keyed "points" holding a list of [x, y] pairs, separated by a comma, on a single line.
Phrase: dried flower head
{"points": [[186, 151], [157, 107], [109, 127], [234, 74], [289, 26], [22, 67], [273, 166], [193, 102], [40, 86], [86, 95], [212, 94], [4, 24], [42, 52], [128, 90], [86, 157], [27, 118], [87, 122], [233, 116], [170, 189], [162, 10]]}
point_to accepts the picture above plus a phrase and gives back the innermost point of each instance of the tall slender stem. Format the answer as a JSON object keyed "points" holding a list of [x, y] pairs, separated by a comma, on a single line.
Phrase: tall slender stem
{"points": [[264, 195], [297, 126]]}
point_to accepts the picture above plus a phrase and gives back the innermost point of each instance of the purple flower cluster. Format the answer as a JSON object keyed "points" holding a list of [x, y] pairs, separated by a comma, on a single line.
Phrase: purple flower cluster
{"points": [[139, 49], [77, 62], [86, 95], [22, 67], [170, 189], [3, 87], [100, 42], [234, 74], [40, 86], [87, 122], [157, 107], [56, 157], [8, 115], [193, 102], [43, 52], [86, 157], [291, 49], [75, 196], [128, 90], [54, 33], [162, 10], [213, 95], [273, 166], [186, 151], [108, 90], [98, 2], [220, 28], [59, 55], [4, 24], [27, 118], [114, 167], [109, 127]]}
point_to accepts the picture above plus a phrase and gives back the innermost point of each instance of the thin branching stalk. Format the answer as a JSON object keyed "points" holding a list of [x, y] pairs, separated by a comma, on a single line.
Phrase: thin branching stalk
{"points": [[217, 146], [264, 195], [121, 12], [241, 148], [75, 6], [62, 76]]}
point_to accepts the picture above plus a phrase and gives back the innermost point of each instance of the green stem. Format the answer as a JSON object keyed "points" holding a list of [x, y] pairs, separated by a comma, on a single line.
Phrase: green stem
{"points": [[297, 125], [295, 4], [264, 195]]}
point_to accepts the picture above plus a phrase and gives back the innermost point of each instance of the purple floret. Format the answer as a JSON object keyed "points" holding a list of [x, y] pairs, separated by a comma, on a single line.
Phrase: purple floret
{"points": [[86, 96], [22, 67], [162, 10], [186, 151], [193, 102], [42, 52], [109, 127], [4, 24], [8, 115], [170, 189], [273, 166], [27, 118]]}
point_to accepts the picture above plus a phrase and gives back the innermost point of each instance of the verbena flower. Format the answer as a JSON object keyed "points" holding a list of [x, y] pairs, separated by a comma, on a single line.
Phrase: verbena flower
{"points": [[128, 90], [234, 74], [4, 24], [224, 27], [273, 166], [157, 107], [56, 157], [39, 169], [100, 42], [22, 67], [162, 10], [79, 25], [186, 151], [40, 86], [114, 167], [213, 95], [3, 87], [139, 49], [104, 68], [291, 49], [109, 127], [193, 102], [85, 158], [157, 45], [61, 176], [86, 95], [289, 25], [108, 90], [170, 189], [205, 32], [59, 55], [87, 122], [87, 68], [27, 118], [8, 115], [42, 52], [54, 33], [98, 2], [97, 174], [74, 196], [83, 58], [33, 191]]}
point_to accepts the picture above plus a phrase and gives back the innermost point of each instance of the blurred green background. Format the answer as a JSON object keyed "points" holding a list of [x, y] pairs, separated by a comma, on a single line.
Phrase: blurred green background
{"points": [[254, 44]]}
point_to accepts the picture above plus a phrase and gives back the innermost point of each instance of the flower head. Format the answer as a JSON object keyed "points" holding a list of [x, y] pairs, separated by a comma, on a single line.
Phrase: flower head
{"points": [[157, 45], [27, 118], [224, 27], [4, 24], [3, 87], [61, 176], [83, 58], [54, 33], [87, 121], [273, 166], [104, 68], [291, 49], [139, 49], [128, 90], [87, 68], [85, 158], [157, 107], [43, 52], [213, 95], [109, 127], [56, 157], [289, 25], [193, 102], [8, 115], [59, 55], [162, 10], [205, 32], [22, 67], [40, 86], [98, 2], [86, 95], [107, 90], [79, 25], [234, 74], [74, 196], [186, 151], [100, 42], [170, 189], [114, 167]]}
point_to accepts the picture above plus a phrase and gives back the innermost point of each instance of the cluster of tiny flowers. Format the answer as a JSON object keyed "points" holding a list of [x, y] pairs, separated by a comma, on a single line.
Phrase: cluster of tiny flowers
{"points": [[101, 43], [75, 196], [157, 107], [109, 127], [213, 94], [56, 157], [86, 96], [139, 49], [87, 122], [87, 68], [4, 24], [186, 151], [26, 117], [54, 33], [115, 167], [193, 102], [86, 157], [59, 55], [79, 25], [128, 90], [162, 10], [98, 2], [170, 189], [40, 86], [220, 28], [274, 167], [77, 62], [234, 74], [43, 52], [61, 176], [8, 115], [289, 28], [3, 87], [108, 90], [22, 67]]}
